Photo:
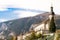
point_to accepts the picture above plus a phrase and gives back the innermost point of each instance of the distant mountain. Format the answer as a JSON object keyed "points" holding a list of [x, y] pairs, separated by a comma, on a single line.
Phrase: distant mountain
{"points": [[23, 25]]}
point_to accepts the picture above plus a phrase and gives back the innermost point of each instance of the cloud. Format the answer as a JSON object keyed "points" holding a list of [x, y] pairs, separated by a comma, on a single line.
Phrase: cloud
{"points": [[2, 20], [22, 14], [15, 13], [43, 5], [3, 9], [30, 4]]}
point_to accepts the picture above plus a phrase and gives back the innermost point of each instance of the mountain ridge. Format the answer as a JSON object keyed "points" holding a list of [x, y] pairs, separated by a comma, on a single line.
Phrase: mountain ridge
{"points": [[23, 25]]}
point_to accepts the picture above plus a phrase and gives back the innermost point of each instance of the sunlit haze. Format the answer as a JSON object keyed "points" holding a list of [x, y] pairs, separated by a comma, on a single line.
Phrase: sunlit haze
{"points": [[12, 9]]}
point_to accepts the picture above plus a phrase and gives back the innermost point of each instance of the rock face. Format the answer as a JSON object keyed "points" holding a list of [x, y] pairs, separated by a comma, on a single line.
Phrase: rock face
{"points": [[23, 25]]}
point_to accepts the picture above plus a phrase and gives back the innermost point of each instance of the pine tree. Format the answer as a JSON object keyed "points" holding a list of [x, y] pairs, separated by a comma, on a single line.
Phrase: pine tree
{"points": [[52, 27]]}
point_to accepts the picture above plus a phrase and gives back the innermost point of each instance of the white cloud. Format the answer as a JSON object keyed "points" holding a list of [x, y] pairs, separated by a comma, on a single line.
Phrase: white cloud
{"points": [[43, 5], [3, 9], [22, 14], [31, 4], [2, 20]]}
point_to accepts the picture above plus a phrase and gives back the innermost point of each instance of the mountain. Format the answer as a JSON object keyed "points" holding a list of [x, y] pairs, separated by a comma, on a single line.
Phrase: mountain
{"points": [[23, 25]]}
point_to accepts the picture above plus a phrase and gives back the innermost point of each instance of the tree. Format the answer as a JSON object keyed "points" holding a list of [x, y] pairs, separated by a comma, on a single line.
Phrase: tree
{"points": [[10, 38], [34, 36], [28, 38], [52, 27], [39, 35]]}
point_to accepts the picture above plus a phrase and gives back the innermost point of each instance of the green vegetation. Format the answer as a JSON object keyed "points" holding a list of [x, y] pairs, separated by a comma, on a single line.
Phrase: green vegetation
{"points": [[52, 27], [39, 36], [33, 36], [57, 37], [10, 38]]}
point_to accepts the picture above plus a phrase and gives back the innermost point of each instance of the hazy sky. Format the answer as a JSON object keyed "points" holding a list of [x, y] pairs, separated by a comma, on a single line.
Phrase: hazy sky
{"points": [[13, 9]]}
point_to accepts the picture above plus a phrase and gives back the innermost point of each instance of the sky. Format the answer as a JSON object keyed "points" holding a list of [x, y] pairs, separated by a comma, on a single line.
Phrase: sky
{"points": [[14, 9]]}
